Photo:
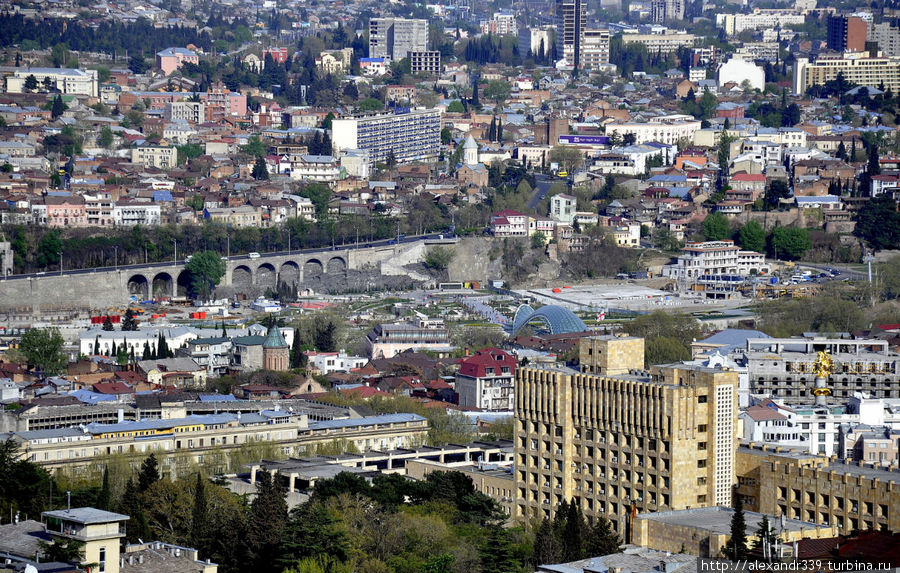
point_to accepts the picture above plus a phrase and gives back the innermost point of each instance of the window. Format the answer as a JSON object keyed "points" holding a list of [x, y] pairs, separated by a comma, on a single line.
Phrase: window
{"points": [[702, 399], [102, 559]]}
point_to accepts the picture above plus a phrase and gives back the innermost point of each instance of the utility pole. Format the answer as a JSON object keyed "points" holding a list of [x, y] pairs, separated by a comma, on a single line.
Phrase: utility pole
{"points": [[176, 250]]}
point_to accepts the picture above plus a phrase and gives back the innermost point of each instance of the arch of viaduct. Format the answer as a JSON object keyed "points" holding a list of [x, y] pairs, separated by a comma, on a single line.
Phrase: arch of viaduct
{"points": [[244, 274]]}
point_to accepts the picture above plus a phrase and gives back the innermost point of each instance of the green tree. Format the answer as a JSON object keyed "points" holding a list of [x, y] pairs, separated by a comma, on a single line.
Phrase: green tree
{"points": [[878, 223], [790, 243], [456, 106], [546, 548], [752, 237], [104, 498], [707, 104], [31, 83], [370, 104], [23, 484], [43, 349], [497, 90], [206, 269], [199, 517], [129, 323], [765, 539], [49, 249], [260, 169], [567, 157], [266, 523], [106, 136], [716, 227], [58, 107], [538, 240], [446, 136], [148, 474], [107, 324], [438, 258], [311, 531], [601, 539], [495, 551], [62, 550], [667, 336], [736, 547], [254, 146], [572, 542], [476, 103], [777, 191]]}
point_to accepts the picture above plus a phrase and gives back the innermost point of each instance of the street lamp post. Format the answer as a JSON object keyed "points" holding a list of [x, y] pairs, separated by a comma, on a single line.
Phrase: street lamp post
{"points": [[115, 260]]}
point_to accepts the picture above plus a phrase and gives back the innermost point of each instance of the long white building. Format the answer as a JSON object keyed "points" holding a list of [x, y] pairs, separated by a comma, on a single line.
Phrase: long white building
{"points": [[411, 136], [666, 129], [734, 24], [715, 258], [65, 80]]}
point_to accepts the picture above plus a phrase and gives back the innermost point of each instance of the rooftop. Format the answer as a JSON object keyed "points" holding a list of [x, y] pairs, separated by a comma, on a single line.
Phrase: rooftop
{"points": [[85, 515], [717, 520]]}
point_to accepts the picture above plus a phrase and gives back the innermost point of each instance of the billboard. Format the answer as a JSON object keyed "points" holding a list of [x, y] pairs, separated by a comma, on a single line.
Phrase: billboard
{"points": [[584, 139]]}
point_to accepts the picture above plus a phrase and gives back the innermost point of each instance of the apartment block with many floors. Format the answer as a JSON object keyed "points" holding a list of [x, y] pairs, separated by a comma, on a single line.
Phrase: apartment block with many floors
{"points": [[411, 136], [644, 441], [856, 67]]}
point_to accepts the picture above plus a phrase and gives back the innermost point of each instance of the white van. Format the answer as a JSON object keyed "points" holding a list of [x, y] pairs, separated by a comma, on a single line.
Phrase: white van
{"points": [[253, 255]]}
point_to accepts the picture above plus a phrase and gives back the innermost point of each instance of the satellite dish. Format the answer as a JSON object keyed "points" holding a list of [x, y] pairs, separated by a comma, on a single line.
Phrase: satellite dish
{"points": [[30, 568]]}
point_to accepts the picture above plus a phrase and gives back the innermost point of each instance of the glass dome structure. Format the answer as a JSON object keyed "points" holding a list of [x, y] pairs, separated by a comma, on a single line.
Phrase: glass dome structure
{"points": [[559, 320]]}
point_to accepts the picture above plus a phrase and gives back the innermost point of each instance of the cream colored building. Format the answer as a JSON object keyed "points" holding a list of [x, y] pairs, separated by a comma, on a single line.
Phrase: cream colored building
{"points": [[159, 156], [705, 531], [665, 129], [66, 80], [100, 532], [192, 111], [798, 485], [335, 62], [664, 43], [595, 50], [760, 19], [243, 216], [857, 68], [208, 439], [659, 440], [611, 355]]}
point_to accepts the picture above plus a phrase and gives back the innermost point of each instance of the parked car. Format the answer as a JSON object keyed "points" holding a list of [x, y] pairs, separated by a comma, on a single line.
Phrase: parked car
{"points": [[253, 255]]}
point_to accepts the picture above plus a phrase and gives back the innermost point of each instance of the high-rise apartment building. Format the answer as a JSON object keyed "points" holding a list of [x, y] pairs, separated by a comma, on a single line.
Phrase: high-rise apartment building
{"points": [[427, 62], [887, 38], [570, 20], [535, 40], [666, 10], [847, 34], [394, 38], [857, 68], [595, 51], [411, 136], [615, 443]]}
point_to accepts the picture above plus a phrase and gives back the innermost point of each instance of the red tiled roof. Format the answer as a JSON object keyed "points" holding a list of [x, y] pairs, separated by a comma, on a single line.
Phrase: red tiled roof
{"points": [[113, 388], [748, 177], [475, 366], [760, 413]]}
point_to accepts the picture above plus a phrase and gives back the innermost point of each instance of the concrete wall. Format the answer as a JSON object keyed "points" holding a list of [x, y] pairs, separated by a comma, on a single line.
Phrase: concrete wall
{"points": [[341, 270]]}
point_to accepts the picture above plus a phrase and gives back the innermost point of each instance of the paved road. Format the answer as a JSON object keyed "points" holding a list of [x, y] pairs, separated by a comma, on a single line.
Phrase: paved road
{"points": [[542, 185], [846, 273]]}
